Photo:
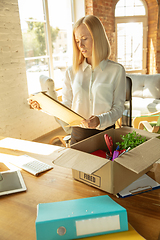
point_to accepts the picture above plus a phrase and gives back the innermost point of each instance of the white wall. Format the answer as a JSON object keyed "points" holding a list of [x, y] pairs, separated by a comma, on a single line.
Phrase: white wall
{"points": [[16, 118]]}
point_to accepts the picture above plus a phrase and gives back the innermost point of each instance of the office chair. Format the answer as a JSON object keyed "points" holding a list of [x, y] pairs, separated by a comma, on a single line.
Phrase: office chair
{"points": [[127, 114], [47, 84], [126, 119]]}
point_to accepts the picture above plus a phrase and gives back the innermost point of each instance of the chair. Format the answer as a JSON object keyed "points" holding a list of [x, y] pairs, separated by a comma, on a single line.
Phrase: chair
{"points": [[47, 84], [65, 140], [151, 122], [126, 119]]}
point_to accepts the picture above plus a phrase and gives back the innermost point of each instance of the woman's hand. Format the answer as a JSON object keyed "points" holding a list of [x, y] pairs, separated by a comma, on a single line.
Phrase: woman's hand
{"points": [[91, 122], [34, 104]]}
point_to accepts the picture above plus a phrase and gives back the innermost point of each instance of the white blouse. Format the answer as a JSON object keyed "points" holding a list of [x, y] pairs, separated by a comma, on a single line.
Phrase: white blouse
{"points": [[100, 92]]}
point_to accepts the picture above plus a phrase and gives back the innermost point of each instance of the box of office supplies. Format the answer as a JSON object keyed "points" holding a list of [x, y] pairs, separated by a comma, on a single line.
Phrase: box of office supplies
{"points": [[80, 218], [104, 174]]}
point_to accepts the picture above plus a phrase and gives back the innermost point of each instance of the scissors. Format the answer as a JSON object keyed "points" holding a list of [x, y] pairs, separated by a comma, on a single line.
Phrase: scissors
{"points": [[109, 143]]}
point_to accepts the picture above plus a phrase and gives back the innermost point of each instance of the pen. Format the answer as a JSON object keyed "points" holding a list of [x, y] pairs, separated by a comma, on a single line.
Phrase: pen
{"points": [[124, 152], [128, 149]]}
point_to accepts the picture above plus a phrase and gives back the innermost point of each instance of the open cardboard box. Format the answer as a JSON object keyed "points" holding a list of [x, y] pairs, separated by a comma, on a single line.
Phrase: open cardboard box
{"points": [[110, 176]]}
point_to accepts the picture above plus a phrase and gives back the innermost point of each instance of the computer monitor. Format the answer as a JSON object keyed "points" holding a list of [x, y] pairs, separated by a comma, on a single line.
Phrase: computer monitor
{"points": [[11, 182]]}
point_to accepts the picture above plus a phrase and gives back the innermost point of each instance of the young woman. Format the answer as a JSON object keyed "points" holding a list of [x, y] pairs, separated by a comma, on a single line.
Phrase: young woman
{"points": [[94, 86]]}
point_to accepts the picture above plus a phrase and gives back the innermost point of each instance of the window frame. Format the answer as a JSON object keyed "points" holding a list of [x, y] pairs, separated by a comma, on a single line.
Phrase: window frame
{"points": [[144, 21], [75, 6], [48, 34], [135, 18]]}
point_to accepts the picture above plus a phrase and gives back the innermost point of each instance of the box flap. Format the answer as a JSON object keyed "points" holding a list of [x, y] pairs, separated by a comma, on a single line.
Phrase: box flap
{"points": [[125, 130], [77, 160], [141, 157]]}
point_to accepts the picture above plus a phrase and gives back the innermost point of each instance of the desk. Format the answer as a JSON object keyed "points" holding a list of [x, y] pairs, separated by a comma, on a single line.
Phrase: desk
{"points": [[18, 211]]}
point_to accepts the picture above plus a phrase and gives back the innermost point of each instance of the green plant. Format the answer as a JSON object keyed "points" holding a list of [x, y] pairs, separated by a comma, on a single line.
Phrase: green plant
{"points": [[131, 140]]}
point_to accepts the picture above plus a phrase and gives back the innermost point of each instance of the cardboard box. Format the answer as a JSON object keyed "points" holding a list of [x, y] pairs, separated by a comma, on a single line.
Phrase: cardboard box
{"points": [[110, 176]]}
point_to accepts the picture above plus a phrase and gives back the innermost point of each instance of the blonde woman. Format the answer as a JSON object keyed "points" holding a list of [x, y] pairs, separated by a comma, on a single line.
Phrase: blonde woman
{"points": [[94, 86]]}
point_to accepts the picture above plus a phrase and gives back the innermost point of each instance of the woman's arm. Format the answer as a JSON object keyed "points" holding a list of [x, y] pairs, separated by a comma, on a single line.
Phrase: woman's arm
{"points": [[119, 95]]}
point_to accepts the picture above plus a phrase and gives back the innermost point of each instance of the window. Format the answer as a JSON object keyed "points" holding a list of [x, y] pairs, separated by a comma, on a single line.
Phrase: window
{"points": [[131, 35], [47, 38], [130, 8]]}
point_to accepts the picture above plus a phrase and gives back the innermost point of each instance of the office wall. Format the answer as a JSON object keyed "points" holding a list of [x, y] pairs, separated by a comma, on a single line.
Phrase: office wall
{"points": [[105, 9], [16, 118], [153, 56]]}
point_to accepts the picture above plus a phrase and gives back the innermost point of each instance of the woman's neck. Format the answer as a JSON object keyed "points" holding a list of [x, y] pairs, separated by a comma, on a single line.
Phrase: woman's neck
{"points": [[89, 60]]}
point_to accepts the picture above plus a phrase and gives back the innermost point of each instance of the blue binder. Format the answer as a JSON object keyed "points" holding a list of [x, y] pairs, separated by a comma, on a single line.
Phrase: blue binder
{"points": [[80, 218]]}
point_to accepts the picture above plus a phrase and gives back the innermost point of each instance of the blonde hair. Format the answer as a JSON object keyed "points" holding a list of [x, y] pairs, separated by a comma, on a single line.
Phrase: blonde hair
{"points": [[100, 48]]}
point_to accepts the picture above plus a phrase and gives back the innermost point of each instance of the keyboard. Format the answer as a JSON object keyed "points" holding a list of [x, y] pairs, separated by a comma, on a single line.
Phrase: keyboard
{"points": [[31, 164]]}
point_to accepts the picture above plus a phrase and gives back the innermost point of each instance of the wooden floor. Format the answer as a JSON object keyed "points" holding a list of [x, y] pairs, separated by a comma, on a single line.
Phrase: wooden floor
{"points": [[47, 137]]}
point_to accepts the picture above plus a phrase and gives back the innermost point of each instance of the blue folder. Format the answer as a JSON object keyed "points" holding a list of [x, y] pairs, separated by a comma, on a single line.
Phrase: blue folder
{"points": [[80, 218], [141, 185]]}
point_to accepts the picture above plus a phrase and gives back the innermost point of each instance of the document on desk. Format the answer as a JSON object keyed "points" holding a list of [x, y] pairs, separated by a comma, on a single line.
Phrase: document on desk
{"points": [[55, 108], [143, 184]]}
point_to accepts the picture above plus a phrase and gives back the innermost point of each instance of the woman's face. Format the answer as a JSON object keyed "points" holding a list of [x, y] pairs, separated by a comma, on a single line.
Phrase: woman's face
{"points": [[84, 42]]}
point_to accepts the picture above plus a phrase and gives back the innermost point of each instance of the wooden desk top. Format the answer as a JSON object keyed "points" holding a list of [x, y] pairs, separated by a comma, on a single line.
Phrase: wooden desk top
{"points": [[18, 211]]}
